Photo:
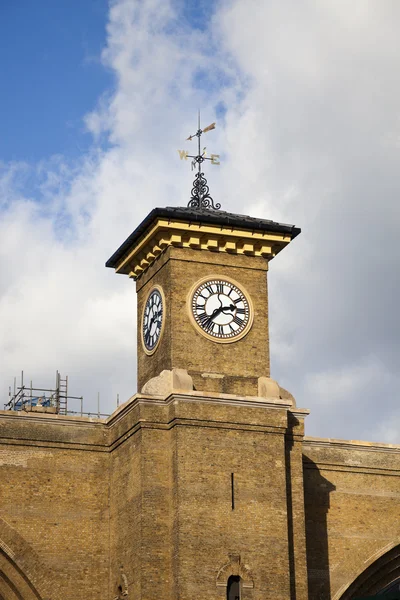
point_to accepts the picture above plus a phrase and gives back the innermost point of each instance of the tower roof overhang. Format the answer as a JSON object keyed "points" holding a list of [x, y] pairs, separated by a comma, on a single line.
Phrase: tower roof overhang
{"points": [[217, 231]]}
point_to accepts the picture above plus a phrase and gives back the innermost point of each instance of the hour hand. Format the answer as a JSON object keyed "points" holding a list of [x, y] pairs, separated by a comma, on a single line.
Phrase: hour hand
{"points": [[231, 307]]}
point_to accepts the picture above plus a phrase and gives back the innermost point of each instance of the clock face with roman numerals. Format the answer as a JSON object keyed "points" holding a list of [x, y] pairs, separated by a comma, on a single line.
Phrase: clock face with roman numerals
{"points": [[152, 322], [221, 310]]}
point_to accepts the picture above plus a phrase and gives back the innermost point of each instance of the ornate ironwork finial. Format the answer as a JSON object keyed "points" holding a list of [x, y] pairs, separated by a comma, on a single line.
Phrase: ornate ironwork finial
{"points": [[200, 195]]}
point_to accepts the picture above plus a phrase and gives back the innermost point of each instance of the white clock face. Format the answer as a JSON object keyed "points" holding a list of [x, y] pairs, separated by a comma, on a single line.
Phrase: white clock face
{"points": [[221, 309], [152, 322]]}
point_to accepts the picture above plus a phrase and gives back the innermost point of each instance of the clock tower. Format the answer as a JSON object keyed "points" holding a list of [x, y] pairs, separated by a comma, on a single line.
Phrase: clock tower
{"points": [[213, 462], [208, 484], [201, 280]]}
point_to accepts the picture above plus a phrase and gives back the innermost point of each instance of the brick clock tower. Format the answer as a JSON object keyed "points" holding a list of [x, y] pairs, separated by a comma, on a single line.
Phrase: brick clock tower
{"points": [[208, 484]]}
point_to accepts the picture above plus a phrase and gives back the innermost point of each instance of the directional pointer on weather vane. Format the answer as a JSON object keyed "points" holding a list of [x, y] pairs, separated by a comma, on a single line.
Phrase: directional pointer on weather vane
{"points": [[200, 195]]}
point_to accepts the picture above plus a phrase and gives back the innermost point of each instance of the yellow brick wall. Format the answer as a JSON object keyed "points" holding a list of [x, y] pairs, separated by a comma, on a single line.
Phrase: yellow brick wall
{"points": [[54, 497], [186, 528], [147, 495], [352, 500], [240, 363]]}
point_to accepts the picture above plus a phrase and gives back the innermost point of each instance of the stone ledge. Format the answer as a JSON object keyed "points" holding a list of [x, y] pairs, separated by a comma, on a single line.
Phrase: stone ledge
{"points": [[350, 444]]}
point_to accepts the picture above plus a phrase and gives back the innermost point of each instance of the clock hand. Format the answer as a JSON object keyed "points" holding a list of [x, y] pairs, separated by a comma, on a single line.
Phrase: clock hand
{"points": [[207, 321], [230, 307], [218, 311], [215, 312], [154, 318]]}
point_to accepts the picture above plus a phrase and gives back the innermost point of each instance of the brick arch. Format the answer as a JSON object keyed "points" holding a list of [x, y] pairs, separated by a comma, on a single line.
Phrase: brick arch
{"points": [[235, 567], [20, 566], [14, 584], [377, 576]]}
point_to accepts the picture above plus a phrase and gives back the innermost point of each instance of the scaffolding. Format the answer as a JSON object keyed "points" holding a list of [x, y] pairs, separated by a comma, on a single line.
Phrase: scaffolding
{"points": [[32, 399]]}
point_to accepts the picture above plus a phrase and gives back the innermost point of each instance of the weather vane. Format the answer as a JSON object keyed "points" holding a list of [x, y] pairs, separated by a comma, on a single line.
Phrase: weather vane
{"points": [[200, 195]]}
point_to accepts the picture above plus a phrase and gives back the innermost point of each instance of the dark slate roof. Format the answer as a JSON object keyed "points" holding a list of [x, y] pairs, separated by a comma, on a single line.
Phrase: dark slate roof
{"points": [[201, 215]]}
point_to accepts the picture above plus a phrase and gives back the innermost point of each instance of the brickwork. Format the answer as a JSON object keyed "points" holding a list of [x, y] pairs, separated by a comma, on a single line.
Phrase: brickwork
{"points": [[295, 507], [234, 368], [190, 446], [125, 514], [54, 504], [352, 499], [144, 500]]}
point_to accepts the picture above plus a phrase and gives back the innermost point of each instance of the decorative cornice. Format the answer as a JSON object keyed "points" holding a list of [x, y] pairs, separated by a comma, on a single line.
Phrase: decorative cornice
{"points": [[213, 237]]}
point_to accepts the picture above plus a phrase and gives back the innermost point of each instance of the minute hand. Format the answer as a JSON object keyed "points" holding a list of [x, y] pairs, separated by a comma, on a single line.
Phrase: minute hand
{"points": [[154, 318], [221, 309]]}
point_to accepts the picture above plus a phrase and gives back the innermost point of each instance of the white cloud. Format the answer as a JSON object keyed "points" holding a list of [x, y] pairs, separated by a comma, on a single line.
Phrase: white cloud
{"points": [[341, 385], [319, 124]]}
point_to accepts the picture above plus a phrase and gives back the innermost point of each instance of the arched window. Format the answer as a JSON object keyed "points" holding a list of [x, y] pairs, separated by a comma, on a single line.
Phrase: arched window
{"points": [[233, 588]]}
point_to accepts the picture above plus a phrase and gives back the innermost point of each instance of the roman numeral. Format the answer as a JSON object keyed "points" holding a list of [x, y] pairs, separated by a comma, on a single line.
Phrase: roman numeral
{"points": [[240, 311], [238, 300], [220, 288], [238, 321], [205, 320], [209, 325]]}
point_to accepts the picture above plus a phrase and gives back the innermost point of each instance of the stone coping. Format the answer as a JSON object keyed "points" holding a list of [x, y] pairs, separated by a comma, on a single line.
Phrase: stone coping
{"points": [[210, 397], [142, 411], [350, 444], [41, 417]]}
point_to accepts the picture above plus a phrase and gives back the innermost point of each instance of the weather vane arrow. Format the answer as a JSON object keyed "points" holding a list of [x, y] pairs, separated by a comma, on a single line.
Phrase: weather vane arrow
{"points": [[200, 196]]}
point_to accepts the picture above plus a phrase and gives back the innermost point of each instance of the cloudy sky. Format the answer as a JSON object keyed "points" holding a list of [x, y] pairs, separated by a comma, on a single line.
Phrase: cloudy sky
{"points": [[97, 97]]}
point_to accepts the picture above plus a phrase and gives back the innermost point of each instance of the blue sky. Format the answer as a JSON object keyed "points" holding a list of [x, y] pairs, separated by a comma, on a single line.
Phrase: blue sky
{"points": [[51, 66], [97, 98], [52, 72]]}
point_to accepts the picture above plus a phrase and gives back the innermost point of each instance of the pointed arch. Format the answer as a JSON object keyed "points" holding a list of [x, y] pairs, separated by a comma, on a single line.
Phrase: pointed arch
{"points": [[376, 577]]}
